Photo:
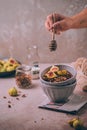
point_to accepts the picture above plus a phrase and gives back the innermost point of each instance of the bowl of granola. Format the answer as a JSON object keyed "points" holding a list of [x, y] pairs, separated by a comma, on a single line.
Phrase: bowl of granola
{"points": [[58, 82], [60, 74]]}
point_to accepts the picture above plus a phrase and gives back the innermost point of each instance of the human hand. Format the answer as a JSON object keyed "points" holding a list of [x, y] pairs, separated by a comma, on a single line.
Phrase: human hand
{"points": [[62, 23]]}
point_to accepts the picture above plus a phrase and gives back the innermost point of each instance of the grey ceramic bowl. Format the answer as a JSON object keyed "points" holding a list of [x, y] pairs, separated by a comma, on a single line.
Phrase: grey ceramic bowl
{"points": [[58, 93], [61, 66]]}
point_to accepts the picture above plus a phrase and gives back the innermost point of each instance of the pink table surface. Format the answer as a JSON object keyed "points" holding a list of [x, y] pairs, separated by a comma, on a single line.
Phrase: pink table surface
{"points": [[24, 113]]}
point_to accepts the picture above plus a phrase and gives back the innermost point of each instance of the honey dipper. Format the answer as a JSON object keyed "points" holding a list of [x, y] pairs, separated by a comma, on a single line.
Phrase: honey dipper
{"points": [[53, 43]]}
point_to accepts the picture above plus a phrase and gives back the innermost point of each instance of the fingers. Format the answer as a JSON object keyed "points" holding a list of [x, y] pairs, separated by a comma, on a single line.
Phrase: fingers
{"points": [[56, 27], [49, 22], [47, 25]]}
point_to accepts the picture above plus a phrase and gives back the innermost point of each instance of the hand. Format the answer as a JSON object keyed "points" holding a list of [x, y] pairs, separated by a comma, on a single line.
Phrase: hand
{"points": [[62, 23]]}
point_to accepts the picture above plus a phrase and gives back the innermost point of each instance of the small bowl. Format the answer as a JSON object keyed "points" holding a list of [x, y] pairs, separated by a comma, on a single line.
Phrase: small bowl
{"points": [[61, 66], [58, 93]]}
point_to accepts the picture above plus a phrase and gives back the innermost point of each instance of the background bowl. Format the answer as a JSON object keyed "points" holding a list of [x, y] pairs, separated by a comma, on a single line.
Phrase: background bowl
{"points": [[61, 66], [58, 93], [7, 74]]}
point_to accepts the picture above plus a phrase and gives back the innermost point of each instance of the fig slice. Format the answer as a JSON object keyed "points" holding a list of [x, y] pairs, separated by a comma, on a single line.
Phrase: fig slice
{"points": [[54, 68], [50, 74]]}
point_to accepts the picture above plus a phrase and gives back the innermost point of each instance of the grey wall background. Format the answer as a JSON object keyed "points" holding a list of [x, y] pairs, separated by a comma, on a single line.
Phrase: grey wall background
{"points": [[22, 25]]}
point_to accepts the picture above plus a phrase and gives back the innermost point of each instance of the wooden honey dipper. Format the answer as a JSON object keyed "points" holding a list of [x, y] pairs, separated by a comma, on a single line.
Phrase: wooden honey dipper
{"points": [[53, 43]]}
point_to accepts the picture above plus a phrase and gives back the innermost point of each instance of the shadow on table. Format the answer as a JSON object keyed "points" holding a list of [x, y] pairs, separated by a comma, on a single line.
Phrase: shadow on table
{"points": [[83, 110]]}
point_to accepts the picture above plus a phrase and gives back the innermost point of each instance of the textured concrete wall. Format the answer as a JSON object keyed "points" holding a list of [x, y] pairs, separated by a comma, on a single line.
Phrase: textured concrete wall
{"points": [[22, 25]]}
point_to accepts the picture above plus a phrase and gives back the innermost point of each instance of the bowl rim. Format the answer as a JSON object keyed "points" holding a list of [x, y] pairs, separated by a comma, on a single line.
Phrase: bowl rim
{"points": [[59, 83], [62, 86]]}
